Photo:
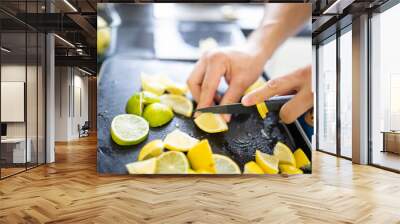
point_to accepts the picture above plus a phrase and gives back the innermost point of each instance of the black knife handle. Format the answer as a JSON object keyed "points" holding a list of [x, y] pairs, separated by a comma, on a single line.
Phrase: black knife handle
{"points": [[275, 103]]}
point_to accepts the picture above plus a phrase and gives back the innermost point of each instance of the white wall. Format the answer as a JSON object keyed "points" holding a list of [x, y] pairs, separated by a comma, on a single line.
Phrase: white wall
{"points": [[295, 53], [70, 84]]}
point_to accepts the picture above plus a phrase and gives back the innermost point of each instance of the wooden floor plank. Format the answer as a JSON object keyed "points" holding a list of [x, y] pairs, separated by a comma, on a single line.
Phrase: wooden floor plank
{"points": [[70, 191]]}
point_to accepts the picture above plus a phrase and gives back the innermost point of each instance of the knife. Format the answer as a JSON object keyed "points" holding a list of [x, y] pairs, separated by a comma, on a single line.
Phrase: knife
{"points": [[273, 104]]}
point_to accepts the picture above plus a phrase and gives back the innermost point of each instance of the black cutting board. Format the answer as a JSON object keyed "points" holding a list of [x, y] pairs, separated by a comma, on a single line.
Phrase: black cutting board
{"points": [[120, 77]]}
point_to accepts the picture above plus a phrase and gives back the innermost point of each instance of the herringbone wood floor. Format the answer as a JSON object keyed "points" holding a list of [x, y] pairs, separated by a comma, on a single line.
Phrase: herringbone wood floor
{"points": [[70, 191]]}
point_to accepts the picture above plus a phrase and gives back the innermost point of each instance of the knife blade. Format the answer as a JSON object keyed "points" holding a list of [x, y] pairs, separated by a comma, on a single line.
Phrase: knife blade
{"points": [[273, 104]]}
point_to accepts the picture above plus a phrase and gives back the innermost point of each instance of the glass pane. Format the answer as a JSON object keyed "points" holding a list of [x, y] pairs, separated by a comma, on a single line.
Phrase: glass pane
{"points": [[385, 86], [13, 86], [327, 97], [41, 99], [31, 98], [346, 94]]}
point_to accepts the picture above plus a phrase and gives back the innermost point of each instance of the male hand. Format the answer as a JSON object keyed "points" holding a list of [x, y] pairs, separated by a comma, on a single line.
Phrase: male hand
{"points": [[239, 67], [297, 82]]}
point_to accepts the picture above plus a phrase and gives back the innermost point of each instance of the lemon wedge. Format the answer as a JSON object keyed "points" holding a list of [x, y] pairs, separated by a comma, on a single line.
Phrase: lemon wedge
{"points": [[204, 172], [201, 158], [262, 109], [172, 162], [152, 84], [225, 165], [191, 171], [176, 88], [179, 104], [252, 168], [211, 123], [151, 149], [284, 154], [301, 158], [179, 141], [268, 163], [142, 167], [257, 84], [289, 169]]}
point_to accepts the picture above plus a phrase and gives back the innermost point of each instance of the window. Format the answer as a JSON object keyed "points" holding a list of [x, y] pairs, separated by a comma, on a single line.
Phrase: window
{"points": [[346, 94], [385, 89], [327, 97]]}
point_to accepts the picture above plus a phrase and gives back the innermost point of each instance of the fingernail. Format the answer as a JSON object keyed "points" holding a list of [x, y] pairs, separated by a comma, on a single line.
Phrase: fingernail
{"points": [[246, 100], [227, 117], [272, 83]]}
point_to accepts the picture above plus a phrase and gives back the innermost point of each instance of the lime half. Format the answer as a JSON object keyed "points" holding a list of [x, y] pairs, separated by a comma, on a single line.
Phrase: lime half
{"points": [[129, 129], [135, 104], [158, 114]]}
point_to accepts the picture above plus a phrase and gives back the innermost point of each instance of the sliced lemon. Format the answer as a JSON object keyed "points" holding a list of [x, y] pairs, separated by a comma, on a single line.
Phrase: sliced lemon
{"points": [[201, 158], [268, 163], [257, 84], [252, 168], [262, 109], [172, 162], [225, 165], [129, 129], [179, 141], [301, 158], [176, 88], [152, 84], [179, 104], [191, 171], [289, 169], [204, 172], [284, 154], [211, 123], [151, 149], [142, 167]]}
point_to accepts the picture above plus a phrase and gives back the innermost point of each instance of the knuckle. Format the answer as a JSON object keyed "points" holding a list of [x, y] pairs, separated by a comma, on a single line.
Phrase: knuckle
{"points": [[286, 116], [213, 56]]}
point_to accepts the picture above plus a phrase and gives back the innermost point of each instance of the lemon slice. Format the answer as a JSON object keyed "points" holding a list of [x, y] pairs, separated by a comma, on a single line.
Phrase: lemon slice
{"points": [[151, 149], [301, 158], [179, 141], [262, 109], [225, 165], [257, 84], [152, 84], [172, 162], [129, 129], [284, 154], [201, 158], [211, 123], [179, 104], [142, 167], [289, 169], [252, 168], [268, 163]]}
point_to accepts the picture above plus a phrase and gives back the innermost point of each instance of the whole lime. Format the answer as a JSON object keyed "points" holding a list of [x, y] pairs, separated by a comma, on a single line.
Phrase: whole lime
{"points": [[135, 104], [158, 114]]}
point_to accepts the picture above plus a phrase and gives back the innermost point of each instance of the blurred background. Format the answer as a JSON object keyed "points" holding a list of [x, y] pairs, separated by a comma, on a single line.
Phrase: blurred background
{"points": [[182, 31]]}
